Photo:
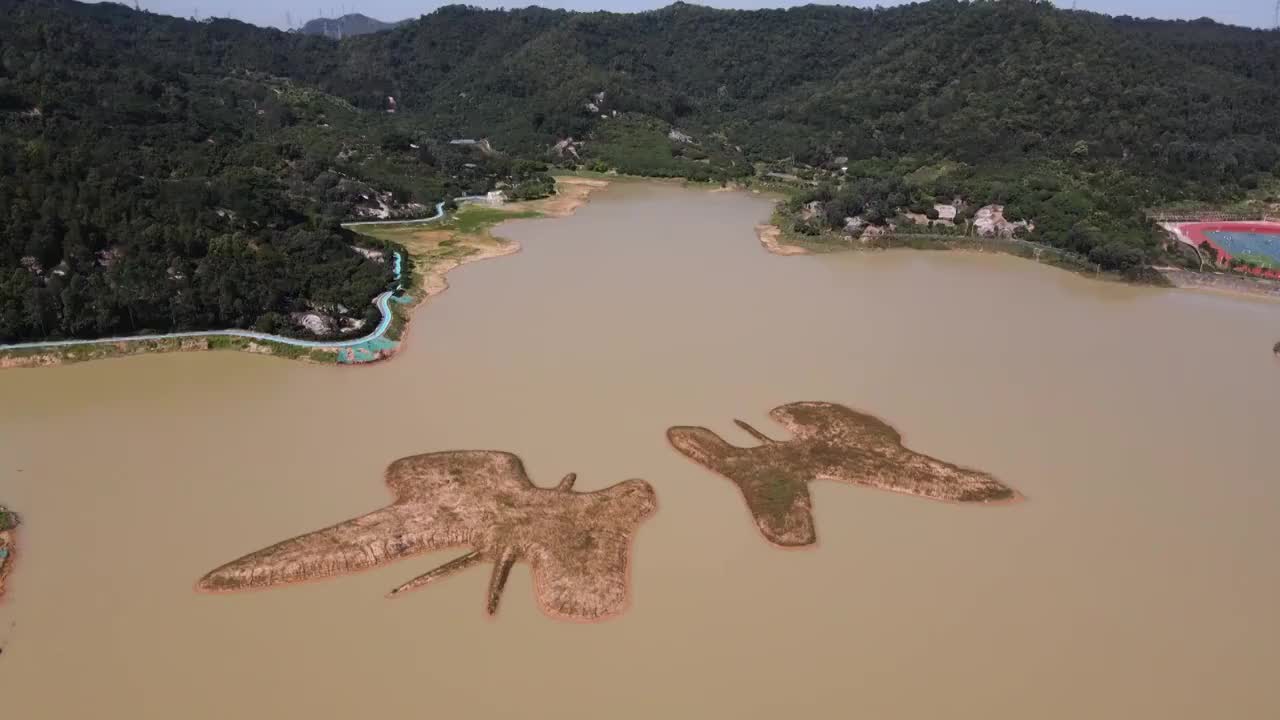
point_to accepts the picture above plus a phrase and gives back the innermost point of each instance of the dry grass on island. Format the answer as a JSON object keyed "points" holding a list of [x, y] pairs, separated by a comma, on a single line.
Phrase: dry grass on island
{"points": [[831, 442], [578, 544], [8, 544]]}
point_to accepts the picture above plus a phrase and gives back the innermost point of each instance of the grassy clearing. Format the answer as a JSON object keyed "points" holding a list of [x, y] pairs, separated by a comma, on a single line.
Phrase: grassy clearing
{"points": [[469, 220], [475, 219], [1258, 259], [430, 245], [774, 494]]}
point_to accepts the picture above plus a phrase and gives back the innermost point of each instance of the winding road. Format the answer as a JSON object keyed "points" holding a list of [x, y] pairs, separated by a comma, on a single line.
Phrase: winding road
{"points": [[381, 301]]}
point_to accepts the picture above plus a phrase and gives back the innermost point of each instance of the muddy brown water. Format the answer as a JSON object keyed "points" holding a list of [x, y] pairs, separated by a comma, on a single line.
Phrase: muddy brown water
{"points": [[1140, 578]]}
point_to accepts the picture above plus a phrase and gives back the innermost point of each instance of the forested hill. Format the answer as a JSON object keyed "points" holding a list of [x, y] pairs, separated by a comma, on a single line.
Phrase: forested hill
{"points": [[345, 26], [160, 173], [971, 81]]}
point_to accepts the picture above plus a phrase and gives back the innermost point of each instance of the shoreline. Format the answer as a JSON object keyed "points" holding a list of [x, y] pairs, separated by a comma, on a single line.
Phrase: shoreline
{"points": [[433, 282], [771, 237], [1222, 284]]}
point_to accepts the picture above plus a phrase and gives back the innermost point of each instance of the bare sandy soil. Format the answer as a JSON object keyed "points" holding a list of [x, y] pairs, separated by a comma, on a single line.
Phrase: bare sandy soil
{"points": [[769, 237], [571, 194], [578, 544], [831, 442]]}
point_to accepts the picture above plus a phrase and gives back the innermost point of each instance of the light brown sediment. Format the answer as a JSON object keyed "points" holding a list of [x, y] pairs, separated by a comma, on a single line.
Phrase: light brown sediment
{"points": [[572, 192], [769, 236], [831, 442], [578, 544], [47, 359]]}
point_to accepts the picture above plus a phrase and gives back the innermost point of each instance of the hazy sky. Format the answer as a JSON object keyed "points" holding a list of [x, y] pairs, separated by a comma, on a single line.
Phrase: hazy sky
{"points": [[1254, 13]]}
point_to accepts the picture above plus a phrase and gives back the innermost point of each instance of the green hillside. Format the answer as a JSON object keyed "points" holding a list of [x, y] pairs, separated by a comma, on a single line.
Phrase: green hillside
{"points": [[165, 174]]}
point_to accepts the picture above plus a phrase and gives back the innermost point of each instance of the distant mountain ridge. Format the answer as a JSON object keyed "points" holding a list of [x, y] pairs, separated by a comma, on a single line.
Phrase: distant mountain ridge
{"points": [[346, 26]]}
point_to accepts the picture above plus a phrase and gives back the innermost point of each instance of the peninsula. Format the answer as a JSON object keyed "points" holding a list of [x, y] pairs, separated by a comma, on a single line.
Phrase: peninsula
{"points": [[578, 544], [831, 442], [434, 246]]}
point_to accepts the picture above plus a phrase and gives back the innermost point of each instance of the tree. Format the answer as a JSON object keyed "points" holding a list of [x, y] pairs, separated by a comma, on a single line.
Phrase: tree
{"points": [[1208, 250]]}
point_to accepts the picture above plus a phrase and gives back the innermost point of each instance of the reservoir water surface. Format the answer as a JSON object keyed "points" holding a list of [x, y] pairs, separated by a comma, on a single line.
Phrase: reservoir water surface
{"points": [[1139, 578]]}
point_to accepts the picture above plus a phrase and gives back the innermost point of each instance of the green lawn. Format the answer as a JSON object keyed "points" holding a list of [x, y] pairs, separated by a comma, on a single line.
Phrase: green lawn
{"points": [[1259, 259]]}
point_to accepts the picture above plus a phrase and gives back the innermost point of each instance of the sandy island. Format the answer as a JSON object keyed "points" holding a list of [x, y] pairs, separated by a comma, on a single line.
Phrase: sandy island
{"points": [[831, 442], [578, 544]]}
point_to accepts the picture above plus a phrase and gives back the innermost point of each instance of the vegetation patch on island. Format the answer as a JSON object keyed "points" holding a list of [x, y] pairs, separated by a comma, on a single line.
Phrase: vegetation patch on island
{"points": [[8, 544], [831, 442], [578, 544]]}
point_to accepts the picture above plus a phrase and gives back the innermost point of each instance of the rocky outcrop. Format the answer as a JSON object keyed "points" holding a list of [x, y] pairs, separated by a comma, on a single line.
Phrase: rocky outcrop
{"points": [[566, 146], [677, 136], [314, 322], [377, 255], [872, 232], [990, 222]]}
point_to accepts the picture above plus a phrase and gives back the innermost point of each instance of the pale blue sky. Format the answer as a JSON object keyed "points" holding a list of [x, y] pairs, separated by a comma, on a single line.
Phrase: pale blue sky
{"points": [[1253, 13]]}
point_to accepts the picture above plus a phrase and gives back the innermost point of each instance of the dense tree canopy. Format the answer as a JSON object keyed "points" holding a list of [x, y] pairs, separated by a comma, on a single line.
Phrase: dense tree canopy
{"points": [[158, 173]]}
